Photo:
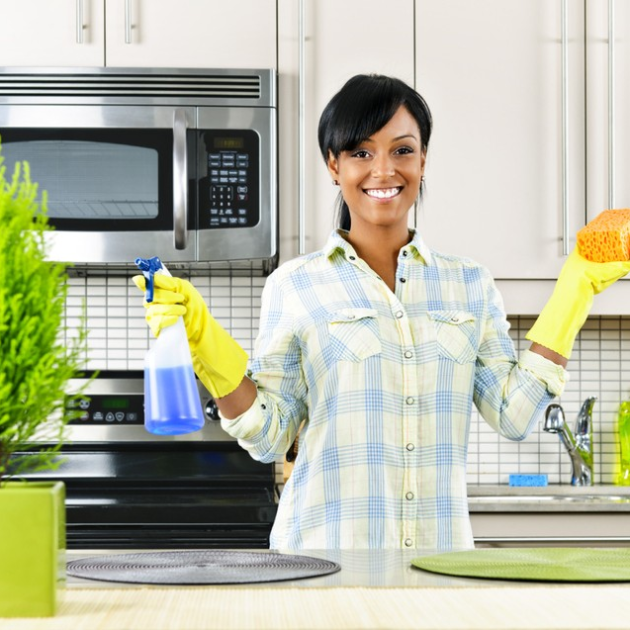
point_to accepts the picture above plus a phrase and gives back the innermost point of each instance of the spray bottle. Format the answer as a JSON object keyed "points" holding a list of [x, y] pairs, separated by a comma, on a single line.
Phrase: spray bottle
{"points": [[171, 399], [623, 434]]}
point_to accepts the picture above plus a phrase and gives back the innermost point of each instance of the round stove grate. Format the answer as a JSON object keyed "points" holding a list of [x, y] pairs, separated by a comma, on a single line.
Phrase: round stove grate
{"points": [[199, 567]]}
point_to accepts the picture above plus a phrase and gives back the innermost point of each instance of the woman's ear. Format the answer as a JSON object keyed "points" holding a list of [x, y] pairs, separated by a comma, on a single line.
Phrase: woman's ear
{"points": [[333, 167]]}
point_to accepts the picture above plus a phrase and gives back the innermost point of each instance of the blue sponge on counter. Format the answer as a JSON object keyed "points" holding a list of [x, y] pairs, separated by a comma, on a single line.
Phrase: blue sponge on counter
{"points": [[528, 480]]}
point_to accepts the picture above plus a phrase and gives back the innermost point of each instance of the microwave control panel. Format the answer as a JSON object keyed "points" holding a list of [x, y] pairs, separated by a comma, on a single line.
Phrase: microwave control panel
{"points": [[229, 195]]}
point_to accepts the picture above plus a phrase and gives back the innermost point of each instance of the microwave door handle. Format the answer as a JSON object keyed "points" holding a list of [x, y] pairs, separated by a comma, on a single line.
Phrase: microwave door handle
{"points": [[180, 179]]}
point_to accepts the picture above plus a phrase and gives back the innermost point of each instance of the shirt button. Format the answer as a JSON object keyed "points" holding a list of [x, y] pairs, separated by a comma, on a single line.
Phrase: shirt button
{"points": [[409, 400], [403, 279], [410, 446], [455, 319], [352, 316], [399, 314], [408, 354], [351, 257], [408, 542], [404, 252], [409, 496]]}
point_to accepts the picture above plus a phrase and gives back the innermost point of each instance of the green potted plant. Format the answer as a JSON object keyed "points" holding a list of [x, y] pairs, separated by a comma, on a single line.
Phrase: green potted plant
{"points": [[35, 366]]}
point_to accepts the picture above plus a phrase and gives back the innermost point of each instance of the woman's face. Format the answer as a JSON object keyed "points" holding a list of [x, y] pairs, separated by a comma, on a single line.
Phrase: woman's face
{"points": [[380, 178]]}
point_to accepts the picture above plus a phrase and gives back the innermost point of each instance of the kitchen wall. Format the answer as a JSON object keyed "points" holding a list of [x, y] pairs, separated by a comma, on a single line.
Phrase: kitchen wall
{"points": [[118, 339]]}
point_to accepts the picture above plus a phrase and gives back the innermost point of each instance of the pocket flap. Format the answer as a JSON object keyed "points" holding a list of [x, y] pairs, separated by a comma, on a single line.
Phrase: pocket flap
{"points": [[351, 315], [452, 317]]}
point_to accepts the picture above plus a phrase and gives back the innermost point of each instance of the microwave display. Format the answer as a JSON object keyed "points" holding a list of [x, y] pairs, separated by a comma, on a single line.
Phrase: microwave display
{"points": [[229, 191]]}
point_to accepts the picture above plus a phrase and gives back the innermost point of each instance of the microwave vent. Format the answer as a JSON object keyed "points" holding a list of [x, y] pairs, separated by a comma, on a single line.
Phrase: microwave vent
{"points": [[126, 86]]}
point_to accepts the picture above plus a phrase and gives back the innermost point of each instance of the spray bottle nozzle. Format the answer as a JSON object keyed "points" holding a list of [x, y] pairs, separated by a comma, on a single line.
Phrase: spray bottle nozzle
{"points": [[149, 266]]}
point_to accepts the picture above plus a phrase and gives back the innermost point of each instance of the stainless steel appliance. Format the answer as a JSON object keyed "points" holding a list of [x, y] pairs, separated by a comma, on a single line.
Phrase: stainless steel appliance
{"points": [[127, 488], [175, 163]]}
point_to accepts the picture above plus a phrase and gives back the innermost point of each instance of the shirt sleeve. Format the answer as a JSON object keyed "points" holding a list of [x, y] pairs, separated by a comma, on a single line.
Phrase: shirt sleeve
{"points": [[267, 429], [511, 394]]}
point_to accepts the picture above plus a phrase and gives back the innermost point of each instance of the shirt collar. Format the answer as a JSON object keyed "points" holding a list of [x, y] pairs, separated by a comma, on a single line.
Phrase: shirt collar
{"points": [[416, 246]]}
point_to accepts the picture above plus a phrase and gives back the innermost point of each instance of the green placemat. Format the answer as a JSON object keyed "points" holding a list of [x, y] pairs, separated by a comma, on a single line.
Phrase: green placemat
{"points": [[550, 564]]}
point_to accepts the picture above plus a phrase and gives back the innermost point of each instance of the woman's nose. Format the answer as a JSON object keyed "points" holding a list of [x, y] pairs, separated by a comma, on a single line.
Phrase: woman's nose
{"points": [[382, 166]]}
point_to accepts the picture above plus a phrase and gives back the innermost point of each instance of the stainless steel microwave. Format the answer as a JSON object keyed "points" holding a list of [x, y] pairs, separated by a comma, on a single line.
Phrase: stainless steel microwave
{"points": [[175, 163]]}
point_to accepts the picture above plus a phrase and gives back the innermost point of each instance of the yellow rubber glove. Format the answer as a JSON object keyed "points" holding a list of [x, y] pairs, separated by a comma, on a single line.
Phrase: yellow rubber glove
{"points": [[218, 360], [566, 311]]}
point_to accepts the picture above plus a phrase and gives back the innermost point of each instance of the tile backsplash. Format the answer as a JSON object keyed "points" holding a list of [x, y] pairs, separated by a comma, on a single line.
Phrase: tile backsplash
{"points": [[119, 337]]}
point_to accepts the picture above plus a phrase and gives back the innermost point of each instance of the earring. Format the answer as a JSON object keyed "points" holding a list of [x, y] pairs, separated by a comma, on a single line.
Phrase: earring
{"points": [[335, 182]]}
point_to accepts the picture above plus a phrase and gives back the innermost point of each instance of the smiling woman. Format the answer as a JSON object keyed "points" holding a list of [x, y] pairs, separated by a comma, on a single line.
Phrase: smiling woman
{"points": [[377, 347]]}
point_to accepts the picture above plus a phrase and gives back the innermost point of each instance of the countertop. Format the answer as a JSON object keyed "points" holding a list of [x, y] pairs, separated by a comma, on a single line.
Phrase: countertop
{"points": [[374, 589], [555, 498]]}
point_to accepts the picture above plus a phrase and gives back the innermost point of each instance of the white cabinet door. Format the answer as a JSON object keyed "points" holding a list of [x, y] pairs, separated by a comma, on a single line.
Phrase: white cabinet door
{"points": [[342, 38], [46, 33], [608, 105], [191, 33], [492, 73]]}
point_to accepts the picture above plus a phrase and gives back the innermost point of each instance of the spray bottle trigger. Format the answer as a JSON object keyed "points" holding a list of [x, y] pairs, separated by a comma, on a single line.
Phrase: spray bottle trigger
{"points": [[149, 266]]}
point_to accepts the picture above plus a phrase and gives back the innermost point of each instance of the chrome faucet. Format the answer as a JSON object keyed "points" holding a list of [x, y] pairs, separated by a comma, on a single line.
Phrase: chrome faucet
{"points": [[578, 445]]}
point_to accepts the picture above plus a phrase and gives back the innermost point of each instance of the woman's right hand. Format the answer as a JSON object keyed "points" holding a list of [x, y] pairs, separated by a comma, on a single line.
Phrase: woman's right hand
{"points": [[218, 359]]}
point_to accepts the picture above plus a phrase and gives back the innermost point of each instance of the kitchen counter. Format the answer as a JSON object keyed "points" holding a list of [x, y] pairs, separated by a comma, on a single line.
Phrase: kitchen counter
{"points": [[556, 498], [374, 589], [559, 515]]}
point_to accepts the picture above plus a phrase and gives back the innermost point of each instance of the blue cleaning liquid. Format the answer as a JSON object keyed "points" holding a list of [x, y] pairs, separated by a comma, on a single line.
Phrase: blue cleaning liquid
{"points": [[171, 401]]}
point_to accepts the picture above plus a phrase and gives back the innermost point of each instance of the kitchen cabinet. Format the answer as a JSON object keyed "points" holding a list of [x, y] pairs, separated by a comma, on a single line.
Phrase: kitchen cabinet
{"points": [[339, 40], [44, 33], [492, 72], [140, 33]]}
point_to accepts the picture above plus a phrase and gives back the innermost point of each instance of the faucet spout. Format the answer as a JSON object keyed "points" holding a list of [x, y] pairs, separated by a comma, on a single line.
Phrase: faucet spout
{"points": [[579, 444]]}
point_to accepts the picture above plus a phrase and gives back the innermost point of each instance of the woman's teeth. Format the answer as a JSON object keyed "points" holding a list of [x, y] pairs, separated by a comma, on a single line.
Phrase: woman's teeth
{"points": [[383, 193]]}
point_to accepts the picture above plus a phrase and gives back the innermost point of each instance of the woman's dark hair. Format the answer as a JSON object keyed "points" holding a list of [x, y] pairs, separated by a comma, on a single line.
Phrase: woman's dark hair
{"points": [[365, 104]]}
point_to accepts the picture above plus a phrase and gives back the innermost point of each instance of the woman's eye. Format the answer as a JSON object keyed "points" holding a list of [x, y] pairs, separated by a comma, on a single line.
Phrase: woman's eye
{"points": [[360, 154], [404, 150]]}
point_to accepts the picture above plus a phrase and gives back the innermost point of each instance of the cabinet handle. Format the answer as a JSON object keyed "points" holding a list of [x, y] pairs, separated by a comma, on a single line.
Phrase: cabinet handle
{"points": [[79, 21], [611, 103], [565, 133], [301, 134], [180, 179], [127, 21]]}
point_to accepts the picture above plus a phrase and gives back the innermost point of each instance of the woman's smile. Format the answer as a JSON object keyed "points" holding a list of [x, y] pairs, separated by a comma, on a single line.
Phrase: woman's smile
{"points": [[383, 194]]}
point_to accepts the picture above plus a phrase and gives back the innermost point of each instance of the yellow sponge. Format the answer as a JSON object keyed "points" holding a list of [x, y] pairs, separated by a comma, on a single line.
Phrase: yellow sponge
{"points": [[607, 237]]}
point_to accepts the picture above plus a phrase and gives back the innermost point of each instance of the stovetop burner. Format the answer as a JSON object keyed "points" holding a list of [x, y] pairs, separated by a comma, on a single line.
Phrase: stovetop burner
{"points": [[200, 567]]}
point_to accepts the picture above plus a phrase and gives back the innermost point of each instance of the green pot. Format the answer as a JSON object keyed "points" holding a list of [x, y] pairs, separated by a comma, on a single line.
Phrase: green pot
{"points": [[32, 547]]}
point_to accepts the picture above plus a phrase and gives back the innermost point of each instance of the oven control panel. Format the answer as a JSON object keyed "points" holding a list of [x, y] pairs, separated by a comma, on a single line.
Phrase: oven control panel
{"points": [[109, 409], [229, 195]]}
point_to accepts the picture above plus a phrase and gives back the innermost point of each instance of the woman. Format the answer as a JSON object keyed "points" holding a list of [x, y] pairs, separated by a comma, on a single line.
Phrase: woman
{"points": [[381, 346]]}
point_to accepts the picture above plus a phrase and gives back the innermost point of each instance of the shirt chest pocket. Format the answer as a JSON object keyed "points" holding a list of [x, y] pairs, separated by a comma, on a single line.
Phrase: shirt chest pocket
{"points": [[456, 335], [353, 334]]}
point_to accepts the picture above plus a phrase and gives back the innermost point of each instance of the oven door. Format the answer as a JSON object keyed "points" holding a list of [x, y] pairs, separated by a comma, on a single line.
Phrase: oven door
{"points": [[119, 179]]}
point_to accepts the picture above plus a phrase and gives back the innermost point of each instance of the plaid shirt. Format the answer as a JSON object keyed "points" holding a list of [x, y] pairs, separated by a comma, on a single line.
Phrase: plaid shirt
{"points": [[385, 382]]}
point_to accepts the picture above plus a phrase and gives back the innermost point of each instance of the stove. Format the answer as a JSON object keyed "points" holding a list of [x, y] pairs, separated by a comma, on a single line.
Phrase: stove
{"points": [[129, 489]]}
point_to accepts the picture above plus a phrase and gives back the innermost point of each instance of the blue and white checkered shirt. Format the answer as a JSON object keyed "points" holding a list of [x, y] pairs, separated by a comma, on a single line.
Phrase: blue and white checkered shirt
{"points": [[385, 382]]}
